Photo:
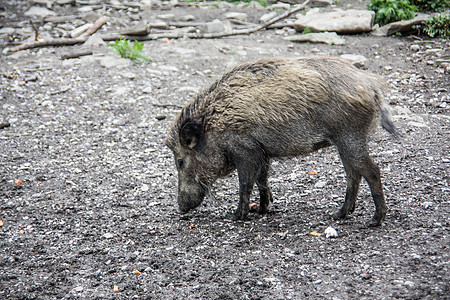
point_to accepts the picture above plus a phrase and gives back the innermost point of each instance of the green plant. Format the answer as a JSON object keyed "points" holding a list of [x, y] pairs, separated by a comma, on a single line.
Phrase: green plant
{"points": [[307, 30], [388, 11], [123, 48], [437, 26], [431, 5]]}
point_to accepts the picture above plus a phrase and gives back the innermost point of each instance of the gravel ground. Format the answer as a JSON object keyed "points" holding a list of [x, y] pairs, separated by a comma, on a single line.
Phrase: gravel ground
{"points": [[88, 191]]}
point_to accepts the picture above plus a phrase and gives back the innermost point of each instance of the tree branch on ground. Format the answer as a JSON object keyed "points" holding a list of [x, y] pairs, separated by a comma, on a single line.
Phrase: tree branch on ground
{"points": [[63, 41], [176, 35], [169, 35]]}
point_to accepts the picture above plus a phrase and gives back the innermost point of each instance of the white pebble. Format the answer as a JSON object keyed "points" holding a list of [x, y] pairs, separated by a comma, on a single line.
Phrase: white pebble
{"points": [[330, 232]]}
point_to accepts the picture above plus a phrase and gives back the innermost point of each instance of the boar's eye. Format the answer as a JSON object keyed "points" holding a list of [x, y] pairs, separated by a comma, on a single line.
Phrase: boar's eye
{"points": [[180, 163]]}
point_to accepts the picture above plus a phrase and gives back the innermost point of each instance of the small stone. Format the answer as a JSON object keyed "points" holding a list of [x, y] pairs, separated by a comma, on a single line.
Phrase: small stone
{"points": [[94, 41], [427, 204], [213, 27], [169, 68], [86, 9], [236, 16], [167, 17], [320, 184], [330, 232], [108, 235], [358, 61], [278, 6], [40, 12], [409, 283], [227, 26], [187, 18], [414, 47], [158, 25], [90, 17], [147, 90], [78, 289], [7, 30], [388, 68], [139, 29], [129, 75], [321, 2], [160, 117], [416, 256]]}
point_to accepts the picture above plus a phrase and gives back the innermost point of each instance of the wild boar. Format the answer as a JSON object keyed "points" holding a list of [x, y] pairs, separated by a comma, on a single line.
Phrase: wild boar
{"points": [[279, 107]]}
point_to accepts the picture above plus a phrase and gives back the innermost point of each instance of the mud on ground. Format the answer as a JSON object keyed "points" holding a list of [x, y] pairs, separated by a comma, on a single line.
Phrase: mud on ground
{"points": [[94, 215]]}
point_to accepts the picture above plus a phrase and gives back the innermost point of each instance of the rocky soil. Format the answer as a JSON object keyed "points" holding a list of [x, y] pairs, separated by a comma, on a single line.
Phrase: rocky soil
{"points": [[88, 191]]}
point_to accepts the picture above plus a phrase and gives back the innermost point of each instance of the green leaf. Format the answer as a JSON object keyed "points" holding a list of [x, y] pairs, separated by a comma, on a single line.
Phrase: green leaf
{"points": [[124, 49]]}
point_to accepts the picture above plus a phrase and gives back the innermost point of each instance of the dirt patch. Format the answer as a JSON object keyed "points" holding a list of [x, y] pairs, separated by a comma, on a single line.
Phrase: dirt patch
{"points": [[96, 207]]}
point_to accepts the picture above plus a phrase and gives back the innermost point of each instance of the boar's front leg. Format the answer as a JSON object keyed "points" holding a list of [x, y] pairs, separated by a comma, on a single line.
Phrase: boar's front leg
{"points": [[250, 168]]}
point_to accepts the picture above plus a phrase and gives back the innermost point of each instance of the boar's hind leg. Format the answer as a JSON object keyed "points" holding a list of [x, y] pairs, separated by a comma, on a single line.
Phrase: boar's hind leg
{"points": [[265, 195], [357, 160], [353, 181]]}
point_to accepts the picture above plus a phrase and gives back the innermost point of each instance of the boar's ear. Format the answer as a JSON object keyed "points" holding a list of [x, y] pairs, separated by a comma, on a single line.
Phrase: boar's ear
{"points": [[190, 133]]}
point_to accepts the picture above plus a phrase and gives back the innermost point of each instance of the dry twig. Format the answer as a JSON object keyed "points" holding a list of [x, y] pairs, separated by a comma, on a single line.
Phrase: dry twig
{"points": [[63, 41]]}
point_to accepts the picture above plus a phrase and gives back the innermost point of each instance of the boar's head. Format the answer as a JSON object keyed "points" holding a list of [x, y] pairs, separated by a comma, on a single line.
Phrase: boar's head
{"points": [[199, 162]]}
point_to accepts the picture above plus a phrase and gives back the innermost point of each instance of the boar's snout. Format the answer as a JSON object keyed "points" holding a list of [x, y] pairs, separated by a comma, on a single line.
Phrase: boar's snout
{"points": [[188, 202]]}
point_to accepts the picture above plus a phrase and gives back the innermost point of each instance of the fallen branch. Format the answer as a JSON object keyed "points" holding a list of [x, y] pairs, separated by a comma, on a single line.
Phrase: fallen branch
{"points": [[75, 54], [176, 35], [63, 41]]}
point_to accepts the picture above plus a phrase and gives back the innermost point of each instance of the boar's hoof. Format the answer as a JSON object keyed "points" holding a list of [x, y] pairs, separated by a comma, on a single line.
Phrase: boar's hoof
{"points": [[262, 210], [183, 210], [376, 221], [339, 215], [239, 215]]}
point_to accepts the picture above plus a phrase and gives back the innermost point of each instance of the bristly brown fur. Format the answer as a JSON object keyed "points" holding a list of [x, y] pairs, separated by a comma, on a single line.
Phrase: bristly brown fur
{"points": [[261, 93], [279, 108]]}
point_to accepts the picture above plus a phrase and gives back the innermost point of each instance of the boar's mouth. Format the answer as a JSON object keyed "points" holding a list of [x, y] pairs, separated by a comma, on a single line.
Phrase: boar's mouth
{"points": [[188, 202]]}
